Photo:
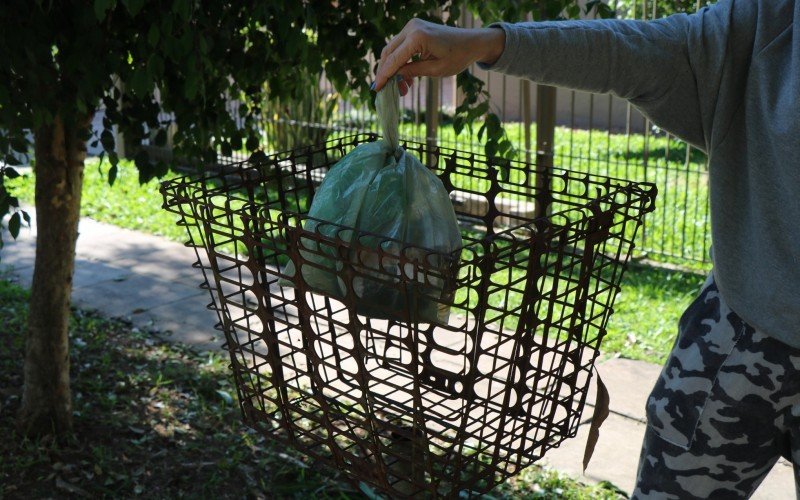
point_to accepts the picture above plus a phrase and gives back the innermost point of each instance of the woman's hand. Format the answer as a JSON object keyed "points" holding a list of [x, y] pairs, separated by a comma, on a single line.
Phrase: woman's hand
{"points": [[441, 50]]}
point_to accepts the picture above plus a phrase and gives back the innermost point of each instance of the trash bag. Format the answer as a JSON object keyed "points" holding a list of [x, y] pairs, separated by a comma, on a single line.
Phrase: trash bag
{"points": [[379, 188]]}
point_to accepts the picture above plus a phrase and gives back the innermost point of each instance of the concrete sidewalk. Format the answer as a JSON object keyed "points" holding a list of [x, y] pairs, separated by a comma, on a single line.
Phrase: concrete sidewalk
{"points": [[149, 281]]}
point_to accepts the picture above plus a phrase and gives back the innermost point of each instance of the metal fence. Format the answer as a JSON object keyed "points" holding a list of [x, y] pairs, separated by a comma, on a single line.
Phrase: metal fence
{"points": [[574, 130]]}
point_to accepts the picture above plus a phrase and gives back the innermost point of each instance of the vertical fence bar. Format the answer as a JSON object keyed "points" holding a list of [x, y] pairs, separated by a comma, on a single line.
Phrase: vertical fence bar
{"points": [[545, 136], [572, 94], [431, 117], [646, 146], [526, 117], [418, 108], [610, 124], [119, 137], [590, 146], [457, 98]]}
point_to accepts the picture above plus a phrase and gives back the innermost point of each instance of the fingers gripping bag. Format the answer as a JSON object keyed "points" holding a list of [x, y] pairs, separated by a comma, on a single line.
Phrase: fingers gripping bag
{"points": [[380, 189]]}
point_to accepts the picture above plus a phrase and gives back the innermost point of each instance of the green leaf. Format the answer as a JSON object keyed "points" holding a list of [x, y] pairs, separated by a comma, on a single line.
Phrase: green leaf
{"points": [[574, 11], [183, 8], [454, 13], [142, 160], [155, 66], [161, 138], [504, 168], [490, 149], [19, 144], [252, 143], [10, 173], [493, 126], [236, 140], [4, 204], [134, 6], [107, 140], [225, 148], [148, 170], [480, 110], [184, 46], [601, 7], [162, 168], [293, 42], [257, 158], [191, 86], [27, 217], [225, 396], [503, 147], [14, 224], [139, 83], [112, 175], [12, 160], [101, 7], [153, 35], [458, 124]]}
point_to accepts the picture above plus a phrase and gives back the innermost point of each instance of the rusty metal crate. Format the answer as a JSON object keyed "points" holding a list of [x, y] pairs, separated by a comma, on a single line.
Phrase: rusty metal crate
{"points": [[415, 409]]}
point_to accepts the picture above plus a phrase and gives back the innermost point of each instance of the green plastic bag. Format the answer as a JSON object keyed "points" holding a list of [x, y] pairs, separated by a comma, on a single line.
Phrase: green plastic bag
{"points": [[379, 188]]}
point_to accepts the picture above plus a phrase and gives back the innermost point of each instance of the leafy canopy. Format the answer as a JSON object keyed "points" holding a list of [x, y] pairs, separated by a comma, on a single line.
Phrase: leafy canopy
{"points": [[154, 62]]}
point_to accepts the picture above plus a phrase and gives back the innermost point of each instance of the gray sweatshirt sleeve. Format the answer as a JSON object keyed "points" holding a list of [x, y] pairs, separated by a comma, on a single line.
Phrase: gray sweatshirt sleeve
{"points": [[671, 68]]}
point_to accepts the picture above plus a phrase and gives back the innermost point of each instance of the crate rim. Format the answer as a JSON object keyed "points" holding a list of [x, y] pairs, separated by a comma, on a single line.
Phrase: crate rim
{"points": [[257, 159]]}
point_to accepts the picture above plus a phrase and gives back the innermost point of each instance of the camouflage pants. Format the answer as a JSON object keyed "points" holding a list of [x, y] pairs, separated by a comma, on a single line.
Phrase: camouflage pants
{"points": [[725, 408]]}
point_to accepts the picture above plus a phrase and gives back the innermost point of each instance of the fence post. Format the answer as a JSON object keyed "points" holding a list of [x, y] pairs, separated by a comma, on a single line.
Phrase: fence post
{"points": [[526, 117], [119, 138], [431, 118], [545, 137]]}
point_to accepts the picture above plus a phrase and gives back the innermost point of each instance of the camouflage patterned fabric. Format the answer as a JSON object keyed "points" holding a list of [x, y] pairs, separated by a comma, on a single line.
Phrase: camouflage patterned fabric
{"points": [[725, 408]]}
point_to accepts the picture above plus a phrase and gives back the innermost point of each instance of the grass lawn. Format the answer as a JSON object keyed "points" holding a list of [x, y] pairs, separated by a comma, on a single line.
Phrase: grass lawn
{"points": [[156, 420], [643, 326]]}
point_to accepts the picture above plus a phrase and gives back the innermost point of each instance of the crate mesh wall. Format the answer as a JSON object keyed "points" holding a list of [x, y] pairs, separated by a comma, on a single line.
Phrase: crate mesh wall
{"points": [[411, 408]]}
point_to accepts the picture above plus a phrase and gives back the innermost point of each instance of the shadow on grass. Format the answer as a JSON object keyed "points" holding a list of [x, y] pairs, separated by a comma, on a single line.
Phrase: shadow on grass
{"points": [[150, 419], [157, 420]]}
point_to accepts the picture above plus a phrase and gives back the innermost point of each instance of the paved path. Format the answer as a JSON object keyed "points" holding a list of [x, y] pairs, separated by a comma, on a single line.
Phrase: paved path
{"points": [[149, 280]]}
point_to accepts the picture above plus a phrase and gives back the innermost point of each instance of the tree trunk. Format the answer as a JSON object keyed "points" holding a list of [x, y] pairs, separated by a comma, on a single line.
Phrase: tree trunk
{"points": [[46, 400]]}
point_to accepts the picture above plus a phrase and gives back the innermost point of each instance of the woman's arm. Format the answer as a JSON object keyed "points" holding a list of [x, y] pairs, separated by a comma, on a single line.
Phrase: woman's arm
{"points": [[671, 68]]}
